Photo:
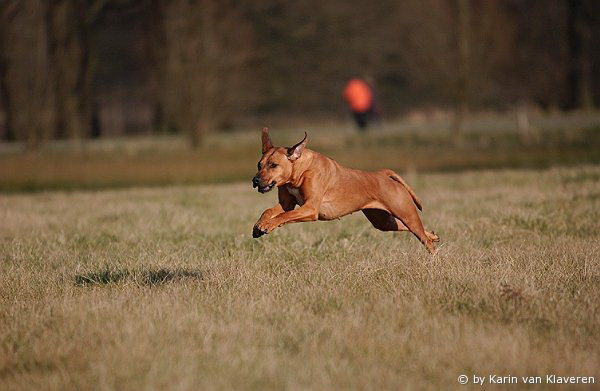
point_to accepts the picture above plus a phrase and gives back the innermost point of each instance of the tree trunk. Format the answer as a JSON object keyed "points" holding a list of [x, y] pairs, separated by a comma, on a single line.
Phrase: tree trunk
{"points": [[68, 24], [196, 135], [9, 134], [463, 40], [7, 11], [154, 47], [579, 80]]}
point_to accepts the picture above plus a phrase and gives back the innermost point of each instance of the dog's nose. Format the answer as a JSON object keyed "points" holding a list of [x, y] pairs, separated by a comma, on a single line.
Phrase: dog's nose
{"points": [[255, 181]]}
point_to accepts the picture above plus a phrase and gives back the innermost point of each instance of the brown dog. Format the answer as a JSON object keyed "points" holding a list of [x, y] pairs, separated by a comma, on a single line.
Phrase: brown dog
{"points": [[325, 190]]}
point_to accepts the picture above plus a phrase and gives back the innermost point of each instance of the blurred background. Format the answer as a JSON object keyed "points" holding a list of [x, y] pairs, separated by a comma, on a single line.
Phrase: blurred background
{"points": [[102, 93]]}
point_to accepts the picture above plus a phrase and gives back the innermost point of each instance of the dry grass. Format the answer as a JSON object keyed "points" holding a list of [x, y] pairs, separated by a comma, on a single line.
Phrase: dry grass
{"points": [[165, 288]]}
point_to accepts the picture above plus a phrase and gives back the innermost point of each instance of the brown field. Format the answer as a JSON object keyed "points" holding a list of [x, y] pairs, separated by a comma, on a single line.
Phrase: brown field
{"points": [[164, 288], [564, 140]]}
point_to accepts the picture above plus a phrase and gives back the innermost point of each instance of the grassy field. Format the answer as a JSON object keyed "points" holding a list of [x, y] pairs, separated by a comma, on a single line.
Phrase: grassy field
{"points": [[164, 288], [563, 140]]}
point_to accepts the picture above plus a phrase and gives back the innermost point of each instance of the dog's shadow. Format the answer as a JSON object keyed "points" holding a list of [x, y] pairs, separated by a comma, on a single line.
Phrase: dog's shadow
{"points": [[152, 277]]}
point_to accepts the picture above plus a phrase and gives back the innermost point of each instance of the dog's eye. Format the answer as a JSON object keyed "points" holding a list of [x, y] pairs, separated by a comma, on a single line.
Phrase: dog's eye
{"points": [[273, 165]]}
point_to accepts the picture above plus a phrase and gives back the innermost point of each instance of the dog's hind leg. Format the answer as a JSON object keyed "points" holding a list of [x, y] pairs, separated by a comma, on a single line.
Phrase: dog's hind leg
{"points": [[402, 207], [383, 220]]}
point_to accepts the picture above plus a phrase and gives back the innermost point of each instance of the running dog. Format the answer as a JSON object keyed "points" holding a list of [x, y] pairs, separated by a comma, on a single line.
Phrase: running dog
{"points": [[325, 190]]}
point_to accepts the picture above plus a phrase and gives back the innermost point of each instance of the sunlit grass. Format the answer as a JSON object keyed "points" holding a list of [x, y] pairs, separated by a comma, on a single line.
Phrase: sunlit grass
{"points": [[164, 288]]}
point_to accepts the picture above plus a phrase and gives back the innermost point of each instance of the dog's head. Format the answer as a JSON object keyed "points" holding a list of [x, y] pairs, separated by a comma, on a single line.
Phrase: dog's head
{"points": [[275, 165]]}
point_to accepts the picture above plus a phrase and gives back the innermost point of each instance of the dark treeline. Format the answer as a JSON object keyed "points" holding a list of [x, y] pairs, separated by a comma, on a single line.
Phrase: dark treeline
{"points": [[89, 68]]}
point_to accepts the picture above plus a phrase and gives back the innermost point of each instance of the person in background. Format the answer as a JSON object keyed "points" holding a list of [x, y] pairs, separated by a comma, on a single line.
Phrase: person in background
{"points": [[359, 96]]}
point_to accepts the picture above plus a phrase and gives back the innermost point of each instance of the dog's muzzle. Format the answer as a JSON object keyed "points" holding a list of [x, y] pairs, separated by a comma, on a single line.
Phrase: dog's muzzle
{"points": [[262, 189], [267, 188]]}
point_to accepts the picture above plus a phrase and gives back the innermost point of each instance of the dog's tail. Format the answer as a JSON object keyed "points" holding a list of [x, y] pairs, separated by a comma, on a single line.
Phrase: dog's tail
{"points": [[398, 179]]}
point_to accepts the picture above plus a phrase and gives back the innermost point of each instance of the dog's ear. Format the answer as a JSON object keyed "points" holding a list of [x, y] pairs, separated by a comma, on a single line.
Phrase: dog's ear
{"points": [[266, 140], [296, 151]]}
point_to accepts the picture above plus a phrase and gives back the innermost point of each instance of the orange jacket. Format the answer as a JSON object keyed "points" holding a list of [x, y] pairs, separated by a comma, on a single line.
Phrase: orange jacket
{"points": [[358, 95]]}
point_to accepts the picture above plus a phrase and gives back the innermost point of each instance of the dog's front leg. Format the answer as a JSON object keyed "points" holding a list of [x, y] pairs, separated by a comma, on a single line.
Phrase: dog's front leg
{"points": [[266, 216], [307, 212], [286, 203]]}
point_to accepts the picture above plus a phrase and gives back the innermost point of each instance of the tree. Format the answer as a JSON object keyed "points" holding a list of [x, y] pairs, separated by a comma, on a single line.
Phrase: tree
{"points": [[207, 46], [579, 31], [8, 10], [69, 26], [463, 80], [452, 55], [27, 96], [154, 53]]}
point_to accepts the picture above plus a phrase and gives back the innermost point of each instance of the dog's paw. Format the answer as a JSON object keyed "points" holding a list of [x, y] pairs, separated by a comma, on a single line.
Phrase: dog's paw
{"points": [[257, 232], [433, 236]]}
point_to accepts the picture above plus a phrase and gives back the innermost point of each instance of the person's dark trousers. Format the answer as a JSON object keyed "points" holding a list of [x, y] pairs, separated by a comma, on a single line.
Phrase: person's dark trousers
{"points": [[363, 118]]}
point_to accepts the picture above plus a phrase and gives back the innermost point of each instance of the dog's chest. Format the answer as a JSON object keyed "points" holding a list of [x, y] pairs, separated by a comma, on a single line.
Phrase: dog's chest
{"points": [[297, 194]]}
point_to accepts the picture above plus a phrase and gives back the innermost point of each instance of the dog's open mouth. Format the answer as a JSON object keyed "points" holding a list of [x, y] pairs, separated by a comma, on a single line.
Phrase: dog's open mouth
{"points": [[266, 188]]}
